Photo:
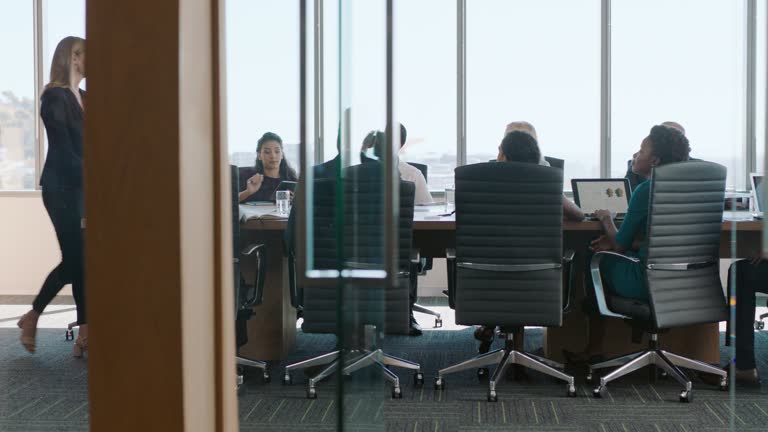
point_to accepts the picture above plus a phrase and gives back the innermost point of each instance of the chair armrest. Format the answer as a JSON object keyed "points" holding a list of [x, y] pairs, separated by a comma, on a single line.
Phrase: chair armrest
{"points": [[568, 256], [256, 291], [450, 256], [250, 249], [415, 256], [569, 281], [597, 282]]}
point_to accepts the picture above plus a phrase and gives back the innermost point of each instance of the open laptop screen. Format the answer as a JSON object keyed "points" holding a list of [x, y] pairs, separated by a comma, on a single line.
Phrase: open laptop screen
{"points": [[601, 194]]}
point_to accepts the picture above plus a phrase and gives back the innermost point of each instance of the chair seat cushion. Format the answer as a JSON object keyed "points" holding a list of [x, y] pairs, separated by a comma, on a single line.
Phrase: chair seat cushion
{"points": [[633, 308]]}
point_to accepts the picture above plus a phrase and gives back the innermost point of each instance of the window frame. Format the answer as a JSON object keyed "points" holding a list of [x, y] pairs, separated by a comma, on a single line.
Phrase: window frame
{"points": [[750, 34]]}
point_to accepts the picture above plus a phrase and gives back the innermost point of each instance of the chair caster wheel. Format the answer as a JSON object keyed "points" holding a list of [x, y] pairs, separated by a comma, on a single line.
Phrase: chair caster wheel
{"points": [[600, 392], [418, 379], [686, 396], [759, 325], [239, 380], [571, 390], [482, 374], [663, 375], [492, 396], [724, 384], [287, 379], [438, 323], [311, 393], [439, 384], [397, 393], [266, 376], [590, 378], [69, 335]]}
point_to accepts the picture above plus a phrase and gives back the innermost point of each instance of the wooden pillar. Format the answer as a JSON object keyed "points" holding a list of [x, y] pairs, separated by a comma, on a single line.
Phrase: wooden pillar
{"points": [[158, 257]]}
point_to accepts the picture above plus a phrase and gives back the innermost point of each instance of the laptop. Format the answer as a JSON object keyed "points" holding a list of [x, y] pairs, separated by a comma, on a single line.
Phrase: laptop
{"points": [[602, 194], [758, 195]]}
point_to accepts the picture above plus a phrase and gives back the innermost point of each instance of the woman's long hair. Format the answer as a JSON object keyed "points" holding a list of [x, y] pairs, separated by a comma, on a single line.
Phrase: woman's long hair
{"points": [[61, 65], [286, 170]]}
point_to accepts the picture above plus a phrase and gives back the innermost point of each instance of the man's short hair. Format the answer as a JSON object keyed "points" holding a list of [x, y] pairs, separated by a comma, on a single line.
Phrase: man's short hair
{"points": [[519, 146]]}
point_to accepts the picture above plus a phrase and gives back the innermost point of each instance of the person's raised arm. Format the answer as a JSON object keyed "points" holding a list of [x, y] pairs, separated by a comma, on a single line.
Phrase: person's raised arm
{"points": [[251, 187]]}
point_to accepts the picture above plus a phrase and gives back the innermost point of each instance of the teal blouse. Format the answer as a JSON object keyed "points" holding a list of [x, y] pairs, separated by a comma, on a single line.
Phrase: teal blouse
{"points": [[626, 278]]}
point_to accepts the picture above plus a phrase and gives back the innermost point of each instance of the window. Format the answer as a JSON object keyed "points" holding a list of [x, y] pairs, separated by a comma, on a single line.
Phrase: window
{"points": [[425, 84], [537, 61], [17, 98], [688, 67], [762, 77], [62, 18], [262, 76]]}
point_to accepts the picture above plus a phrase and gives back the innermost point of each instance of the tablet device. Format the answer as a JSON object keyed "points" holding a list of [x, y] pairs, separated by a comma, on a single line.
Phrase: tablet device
{"points": [[602, 194], [286, 185]]}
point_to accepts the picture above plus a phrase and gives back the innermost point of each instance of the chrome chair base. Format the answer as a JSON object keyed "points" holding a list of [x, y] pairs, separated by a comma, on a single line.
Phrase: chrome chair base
{"points": [[664, 360], [354, 361], [244, 362], [505, 357], [438, 320]]}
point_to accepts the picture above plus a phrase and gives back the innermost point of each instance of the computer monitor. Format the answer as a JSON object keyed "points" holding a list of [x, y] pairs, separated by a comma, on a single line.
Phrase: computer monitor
{"points": [[758, 197], [602, 194]]}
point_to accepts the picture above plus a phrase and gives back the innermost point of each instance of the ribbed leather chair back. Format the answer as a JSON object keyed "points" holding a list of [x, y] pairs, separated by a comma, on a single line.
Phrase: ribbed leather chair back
{"points": [[684, 227], [509, 213], [363, 241]]}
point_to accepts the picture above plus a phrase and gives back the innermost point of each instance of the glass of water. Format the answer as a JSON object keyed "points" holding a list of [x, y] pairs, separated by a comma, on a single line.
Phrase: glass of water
{"points": [[283, 199], [450, 198]]}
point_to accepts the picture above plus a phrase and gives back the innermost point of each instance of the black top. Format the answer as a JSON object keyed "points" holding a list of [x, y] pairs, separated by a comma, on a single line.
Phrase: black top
{"points": [[268, 187], [63, 120]]}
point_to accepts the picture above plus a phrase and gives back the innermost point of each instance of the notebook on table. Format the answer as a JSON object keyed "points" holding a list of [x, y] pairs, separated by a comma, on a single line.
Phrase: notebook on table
{"points": [[602, 194]]}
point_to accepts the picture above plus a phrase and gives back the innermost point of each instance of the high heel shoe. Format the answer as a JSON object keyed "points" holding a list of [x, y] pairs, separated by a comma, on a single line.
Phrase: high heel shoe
{"points": [[80, 346], [28, 326]]}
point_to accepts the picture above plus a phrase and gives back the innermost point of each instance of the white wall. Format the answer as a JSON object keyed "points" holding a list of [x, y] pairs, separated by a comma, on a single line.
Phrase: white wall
{"points": [[28, 246]]}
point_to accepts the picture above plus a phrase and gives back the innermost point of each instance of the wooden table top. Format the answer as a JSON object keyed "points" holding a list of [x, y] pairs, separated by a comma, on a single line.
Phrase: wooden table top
{"points": [[428, 220]]}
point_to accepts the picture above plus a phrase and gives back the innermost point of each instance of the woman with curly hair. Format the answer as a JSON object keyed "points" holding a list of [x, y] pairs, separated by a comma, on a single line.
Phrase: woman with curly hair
{"points": [[662, 146]]}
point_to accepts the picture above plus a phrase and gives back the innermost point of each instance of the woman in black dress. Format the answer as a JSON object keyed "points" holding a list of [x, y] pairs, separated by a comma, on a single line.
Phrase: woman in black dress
{"points": [[260, 182], [62, 186]]}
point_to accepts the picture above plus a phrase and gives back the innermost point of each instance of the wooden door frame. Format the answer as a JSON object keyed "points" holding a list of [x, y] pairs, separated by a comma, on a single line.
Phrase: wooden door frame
{"points": [[158, 251]]}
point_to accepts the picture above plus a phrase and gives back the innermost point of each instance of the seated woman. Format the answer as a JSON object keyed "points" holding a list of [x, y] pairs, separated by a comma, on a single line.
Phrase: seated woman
{"points": [[260, 182], [662, 146], [521, 146]]}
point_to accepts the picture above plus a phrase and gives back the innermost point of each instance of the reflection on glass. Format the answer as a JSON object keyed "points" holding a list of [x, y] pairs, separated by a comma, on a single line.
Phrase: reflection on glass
{"points": [[17, 94], [535, 61]]}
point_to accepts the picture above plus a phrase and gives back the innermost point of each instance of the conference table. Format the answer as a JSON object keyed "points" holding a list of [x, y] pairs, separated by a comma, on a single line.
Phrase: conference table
{"points": [[272, 330]]}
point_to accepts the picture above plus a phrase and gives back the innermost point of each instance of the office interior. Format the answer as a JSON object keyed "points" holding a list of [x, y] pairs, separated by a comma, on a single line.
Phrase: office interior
{"points": [[419, 278]]}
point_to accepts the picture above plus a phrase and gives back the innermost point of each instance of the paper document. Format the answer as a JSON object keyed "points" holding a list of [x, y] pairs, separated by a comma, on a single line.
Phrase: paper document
{"points": [[259, 212]]}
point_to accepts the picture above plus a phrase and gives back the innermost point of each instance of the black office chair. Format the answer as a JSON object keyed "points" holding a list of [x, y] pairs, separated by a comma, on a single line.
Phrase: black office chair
{"points": [[248, 290], [682, 271], [363, 246], [507, 269], [555, 162], [421, 167], [552, 161], [426, 263]]}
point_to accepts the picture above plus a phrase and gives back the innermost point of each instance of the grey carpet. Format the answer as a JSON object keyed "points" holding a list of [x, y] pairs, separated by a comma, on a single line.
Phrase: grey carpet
{"points": [[48, 392]]}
